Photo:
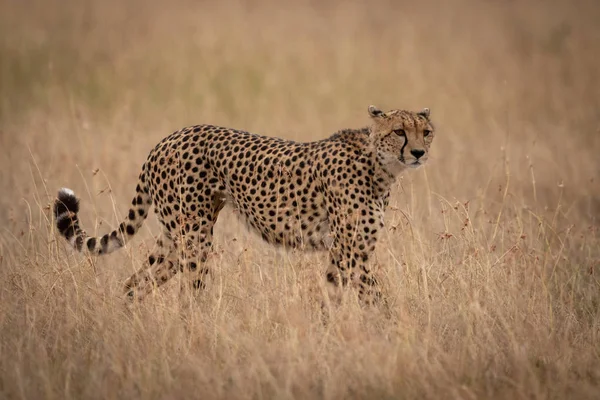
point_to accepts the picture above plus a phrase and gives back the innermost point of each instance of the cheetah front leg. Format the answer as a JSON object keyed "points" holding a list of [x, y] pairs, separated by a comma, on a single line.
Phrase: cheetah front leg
{"points": [[355, 229], [343, 271]]}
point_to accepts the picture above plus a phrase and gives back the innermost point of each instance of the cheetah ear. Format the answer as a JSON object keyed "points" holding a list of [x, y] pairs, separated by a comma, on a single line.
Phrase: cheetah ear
{"points": [[425, 112], [375, 112]]}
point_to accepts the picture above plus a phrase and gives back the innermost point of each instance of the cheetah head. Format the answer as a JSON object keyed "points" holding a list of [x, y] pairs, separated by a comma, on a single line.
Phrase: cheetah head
{"points": [[402, 138]]}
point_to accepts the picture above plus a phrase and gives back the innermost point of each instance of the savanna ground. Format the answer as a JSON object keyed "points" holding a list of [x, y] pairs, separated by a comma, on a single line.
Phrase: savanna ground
{"points": [[491, 259]]}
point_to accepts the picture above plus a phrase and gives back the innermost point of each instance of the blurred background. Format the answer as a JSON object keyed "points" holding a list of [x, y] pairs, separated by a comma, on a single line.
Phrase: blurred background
{"points": [[82, 81], [492, 251], [89, 82]]}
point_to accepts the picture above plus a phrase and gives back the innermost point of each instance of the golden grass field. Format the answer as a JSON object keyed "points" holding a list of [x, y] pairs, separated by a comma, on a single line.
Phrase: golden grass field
{"points": [[491, 259]]}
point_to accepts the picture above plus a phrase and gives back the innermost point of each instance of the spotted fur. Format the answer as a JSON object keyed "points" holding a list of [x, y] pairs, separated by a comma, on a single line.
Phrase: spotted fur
{"points": [[325, 195]]}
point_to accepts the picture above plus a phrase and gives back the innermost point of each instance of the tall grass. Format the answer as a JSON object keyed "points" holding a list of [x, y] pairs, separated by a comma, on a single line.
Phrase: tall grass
{"points": [[491, 256]]}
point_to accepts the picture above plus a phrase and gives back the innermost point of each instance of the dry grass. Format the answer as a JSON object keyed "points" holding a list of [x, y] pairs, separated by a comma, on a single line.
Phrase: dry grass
{"points": [[492, 255]]}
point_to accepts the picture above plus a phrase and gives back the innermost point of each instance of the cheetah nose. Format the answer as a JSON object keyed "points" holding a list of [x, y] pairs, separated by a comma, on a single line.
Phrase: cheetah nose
{"points": [[417, 153]]}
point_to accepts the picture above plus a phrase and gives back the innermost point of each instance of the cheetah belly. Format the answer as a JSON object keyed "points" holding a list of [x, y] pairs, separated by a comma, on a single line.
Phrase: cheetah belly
{"points": [[287, 226], [289, 233]]}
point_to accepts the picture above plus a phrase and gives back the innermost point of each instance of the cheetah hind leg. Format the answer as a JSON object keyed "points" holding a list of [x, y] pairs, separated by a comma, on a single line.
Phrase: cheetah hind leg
{"points": [[161, 265], [193, 260]]}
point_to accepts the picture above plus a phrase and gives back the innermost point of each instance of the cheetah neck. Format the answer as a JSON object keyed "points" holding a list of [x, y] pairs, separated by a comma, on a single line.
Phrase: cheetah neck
{"points": [[386, 174], [391, 168], [384, 171]]}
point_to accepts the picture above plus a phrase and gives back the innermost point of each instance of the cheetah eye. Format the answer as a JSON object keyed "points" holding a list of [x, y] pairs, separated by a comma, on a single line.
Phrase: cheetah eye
{"points": [[399, 132], [426, 132]]}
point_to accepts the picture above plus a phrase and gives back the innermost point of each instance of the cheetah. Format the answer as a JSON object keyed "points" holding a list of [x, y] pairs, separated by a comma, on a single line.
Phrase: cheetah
{"points": [[328, 195]]}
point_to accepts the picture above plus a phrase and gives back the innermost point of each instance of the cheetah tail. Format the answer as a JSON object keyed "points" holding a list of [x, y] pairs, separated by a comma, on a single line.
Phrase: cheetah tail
{"points": [[66, 208]]}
